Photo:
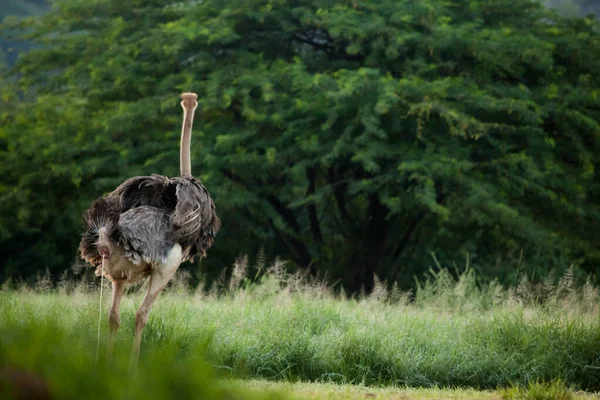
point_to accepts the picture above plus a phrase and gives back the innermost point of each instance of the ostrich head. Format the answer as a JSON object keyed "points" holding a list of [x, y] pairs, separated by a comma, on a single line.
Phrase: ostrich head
{"points": [[188, 101], [105, 245]]}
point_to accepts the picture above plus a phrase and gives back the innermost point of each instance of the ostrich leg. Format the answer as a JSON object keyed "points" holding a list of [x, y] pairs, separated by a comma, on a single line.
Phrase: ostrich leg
{"points": [[161, 275], [114, 317]]}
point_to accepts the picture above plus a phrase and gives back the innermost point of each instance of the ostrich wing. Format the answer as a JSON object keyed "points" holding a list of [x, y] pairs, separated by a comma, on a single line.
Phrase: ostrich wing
{"points": [[194, 220], [145, 234]]}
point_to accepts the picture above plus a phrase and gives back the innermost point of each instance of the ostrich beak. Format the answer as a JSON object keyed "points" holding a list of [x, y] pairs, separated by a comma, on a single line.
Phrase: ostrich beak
{"points": [[104, 251]]}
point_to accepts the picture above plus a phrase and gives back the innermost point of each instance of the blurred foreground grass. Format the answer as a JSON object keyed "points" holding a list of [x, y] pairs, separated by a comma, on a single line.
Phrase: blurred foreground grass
{"points": [[450, 333]]}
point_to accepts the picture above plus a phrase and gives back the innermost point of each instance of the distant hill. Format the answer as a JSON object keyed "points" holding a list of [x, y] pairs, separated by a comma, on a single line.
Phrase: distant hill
{"points": [[590, 7], [21, 9], [576, 7]]}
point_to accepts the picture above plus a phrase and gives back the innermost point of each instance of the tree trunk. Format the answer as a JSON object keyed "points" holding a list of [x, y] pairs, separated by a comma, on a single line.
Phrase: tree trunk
{"points": [[370, 249]]}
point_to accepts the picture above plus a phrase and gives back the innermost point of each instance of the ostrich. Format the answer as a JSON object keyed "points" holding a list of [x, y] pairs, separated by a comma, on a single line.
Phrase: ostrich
{"points": [[147, 227]]}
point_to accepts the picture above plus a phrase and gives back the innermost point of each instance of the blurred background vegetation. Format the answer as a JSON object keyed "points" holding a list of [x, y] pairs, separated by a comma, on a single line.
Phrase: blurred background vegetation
{"points": [[352, 138]]}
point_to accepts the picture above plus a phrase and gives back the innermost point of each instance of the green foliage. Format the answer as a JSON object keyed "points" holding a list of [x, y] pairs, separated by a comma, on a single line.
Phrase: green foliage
{"points": [[354, 137]]}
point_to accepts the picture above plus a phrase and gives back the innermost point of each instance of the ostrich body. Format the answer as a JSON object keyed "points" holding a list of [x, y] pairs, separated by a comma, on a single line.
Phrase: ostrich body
{"points": [[147, 227]]}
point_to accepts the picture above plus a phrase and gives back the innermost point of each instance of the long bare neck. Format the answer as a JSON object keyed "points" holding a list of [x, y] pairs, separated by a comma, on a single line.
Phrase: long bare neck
{"points": [[189, 105]]}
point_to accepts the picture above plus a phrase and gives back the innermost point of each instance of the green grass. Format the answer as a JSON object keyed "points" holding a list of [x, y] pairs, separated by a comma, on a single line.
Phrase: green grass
{"points": [[454, 334], [316, 391], [554, 390]]}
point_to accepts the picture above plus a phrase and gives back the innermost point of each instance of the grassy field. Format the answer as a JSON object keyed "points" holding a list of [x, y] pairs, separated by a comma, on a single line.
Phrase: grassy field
{"points": [[448, 334]]}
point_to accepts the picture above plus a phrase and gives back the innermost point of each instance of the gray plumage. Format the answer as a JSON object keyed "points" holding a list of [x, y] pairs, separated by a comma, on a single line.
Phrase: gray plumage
{"points": [[145, 234], [146, 215]]}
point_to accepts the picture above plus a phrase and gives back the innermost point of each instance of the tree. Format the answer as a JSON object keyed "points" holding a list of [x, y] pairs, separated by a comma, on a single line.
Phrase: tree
{"points": [[356, 138]]}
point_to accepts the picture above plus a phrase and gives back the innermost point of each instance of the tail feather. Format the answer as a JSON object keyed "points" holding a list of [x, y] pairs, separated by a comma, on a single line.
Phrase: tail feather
{"points": [[103, 215]]}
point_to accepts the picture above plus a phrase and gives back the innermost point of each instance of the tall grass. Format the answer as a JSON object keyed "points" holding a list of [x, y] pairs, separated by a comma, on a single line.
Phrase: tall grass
{"points": [[451, 332]]}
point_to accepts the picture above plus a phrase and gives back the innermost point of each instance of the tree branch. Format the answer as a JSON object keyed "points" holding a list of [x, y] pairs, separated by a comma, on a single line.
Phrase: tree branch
{"points": [[339, 192]]}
